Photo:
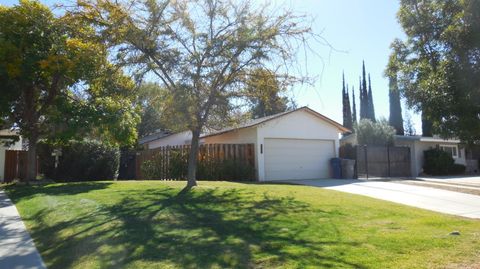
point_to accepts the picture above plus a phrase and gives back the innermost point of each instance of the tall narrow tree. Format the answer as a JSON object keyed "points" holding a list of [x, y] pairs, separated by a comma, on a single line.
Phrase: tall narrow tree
{"points": [[364, 91], [362, 101], [371, 108], [395, 119], [354, 108], [349, 123], [347, 113]]}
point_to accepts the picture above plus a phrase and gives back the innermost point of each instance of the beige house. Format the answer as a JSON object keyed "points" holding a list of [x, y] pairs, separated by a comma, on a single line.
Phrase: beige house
{"points": [[296, 144]]}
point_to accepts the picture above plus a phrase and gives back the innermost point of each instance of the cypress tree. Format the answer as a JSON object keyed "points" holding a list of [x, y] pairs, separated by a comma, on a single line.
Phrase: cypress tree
{"points": [[348, 123], [364, 92], [354, 107], [371, 109], [395, 119]]}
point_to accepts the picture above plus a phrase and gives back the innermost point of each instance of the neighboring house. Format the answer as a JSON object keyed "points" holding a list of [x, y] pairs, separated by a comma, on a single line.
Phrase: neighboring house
{"points": [[418, 144], [296, 144], [163, 139], [6, 136]]}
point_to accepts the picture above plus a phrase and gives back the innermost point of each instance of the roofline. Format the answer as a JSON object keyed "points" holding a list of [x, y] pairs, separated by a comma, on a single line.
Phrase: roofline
{"points": [[315, 113], [427, 139], [158, 138]]}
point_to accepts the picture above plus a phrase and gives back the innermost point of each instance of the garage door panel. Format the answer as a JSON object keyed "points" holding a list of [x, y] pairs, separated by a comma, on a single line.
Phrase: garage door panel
{"points": [[297, 158]]}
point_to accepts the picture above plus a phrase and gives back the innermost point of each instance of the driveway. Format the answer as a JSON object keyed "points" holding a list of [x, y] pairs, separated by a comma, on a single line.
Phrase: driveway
{"points": [[443, 201], [17, 250]]}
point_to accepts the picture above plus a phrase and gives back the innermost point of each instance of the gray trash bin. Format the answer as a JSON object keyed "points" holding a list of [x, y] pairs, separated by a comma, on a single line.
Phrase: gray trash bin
{"points": [[348, 169]]}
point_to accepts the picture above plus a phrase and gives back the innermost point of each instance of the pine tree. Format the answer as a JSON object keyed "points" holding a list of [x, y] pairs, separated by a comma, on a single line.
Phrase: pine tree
{"points": [[395, 118], [426, 125], [354, 107], [371, 109]]}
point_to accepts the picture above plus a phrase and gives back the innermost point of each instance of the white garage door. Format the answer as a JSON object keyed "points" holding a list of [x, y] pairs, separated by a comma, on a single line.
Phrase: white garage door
{"points": [[297, 158]]}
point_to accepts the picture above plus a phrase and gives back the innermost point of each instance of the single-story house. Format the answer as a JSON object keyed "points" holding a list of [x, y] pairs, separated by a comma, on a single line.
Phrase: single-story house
{"points": [[7, 136], [296, 144], [418, 144]]}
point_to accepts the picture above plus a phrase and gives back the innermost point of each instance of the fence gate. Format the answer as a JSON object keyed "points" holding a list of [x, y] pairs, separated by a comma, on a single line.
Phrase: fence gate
{"points": [[15, 165], [373, 161]]}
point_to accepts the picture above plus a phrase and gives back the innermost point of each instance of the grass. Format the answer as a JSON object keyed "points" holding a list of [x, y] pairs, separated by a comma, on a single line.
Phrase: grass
{"points": [[150, 224]]}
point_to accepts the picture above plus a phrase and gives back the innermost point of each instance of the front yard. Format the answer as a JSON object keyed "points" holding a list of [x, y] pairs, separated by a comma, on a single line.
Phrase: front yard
{"points": [[149, 224]]}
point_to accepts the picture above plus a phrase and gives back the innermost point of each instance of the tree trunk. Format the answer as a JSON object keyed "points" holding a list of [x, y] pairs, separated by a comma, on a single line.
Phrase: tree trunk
{"points": [[32, 159], [192, 160]]}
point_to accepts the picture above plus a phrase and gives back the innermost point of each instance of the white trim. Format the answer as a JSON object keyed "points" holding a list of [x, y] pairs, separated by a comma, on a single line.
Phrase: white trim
{"points": [[455, 152]]}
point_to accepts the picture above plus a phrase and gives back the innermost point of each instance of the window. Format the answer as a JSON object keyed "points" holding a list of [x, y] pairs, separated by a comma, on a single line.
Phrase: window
{"points": [[452, 150]]}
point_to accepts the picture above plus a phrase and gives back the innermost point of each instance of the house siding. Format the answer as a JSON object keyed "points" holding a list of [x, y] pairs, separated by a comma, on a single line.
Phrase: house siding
{"points": [[178, 139]]}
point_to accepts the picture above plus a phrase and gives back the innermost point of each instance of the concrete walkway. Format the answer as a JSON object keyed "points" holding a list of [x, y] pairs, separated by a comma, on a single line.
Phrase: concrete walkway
{"points": [[443, 201], [17, 250]]}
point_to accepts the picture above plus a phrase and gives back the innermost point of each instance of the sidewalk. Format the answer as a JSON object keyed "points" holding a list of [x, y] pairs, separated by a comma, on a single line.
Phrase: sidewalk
{"points": [[17, 250]]}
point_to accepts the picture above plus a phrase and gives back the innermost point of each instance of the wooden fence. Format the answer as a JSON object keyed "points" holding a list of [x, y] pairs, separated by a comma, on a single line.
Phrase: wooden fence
{"points": [[15, 165], [215, 162]]}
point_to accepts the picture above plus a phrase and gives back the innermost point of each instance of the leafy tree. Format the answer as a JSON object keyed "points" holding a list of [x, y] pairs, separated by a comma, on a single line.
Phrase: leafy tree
{"points": [[56, 81], [265, 93], [408, 125], [438, 63], [378, 133], [199, 57], [151, 101]]}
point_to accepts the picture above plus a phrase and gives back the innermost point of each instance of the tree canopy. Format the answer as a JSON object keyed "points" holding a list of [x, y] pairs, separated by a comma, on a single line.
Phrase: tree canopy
{"points": [[378, 133], [438, 64], [198, 50], [56, 81]]}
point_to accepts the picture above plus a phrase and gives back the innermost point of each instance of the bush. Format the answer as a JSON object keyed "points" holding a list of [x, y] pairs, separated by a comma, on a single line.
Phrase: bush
{"points": [[439, 163], [378, 133], [80, 161], [458, 169]]}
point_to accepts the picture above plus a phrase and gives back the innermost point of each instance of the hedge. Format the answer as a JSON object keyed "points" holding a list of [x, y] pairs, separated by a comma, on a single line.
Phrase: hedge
{"points": [[80, 161]]}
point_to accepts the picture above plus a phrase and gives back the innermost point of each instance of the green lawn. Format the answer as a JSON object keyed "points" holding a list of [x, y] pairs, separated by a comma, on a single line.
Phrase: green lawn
{"points": [[149, 224]]}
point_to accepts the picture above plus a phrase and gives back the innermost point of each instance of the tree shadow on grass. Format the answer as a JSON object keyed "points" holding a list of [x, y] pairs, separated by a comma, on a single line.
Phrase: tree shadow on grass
{"points": [[202, 228], [20, 192]]}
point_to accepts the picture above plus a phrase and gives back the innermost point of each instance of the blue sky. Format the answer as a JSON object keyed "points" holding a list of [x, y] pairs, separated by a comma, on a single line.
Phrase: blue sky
{"points": [[358, 30]]}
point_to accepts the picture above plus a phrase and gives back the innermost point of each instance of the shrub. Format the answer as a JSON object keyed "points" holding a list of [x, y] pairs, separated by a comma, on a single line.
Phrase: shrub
{"points": [[458, 169], [437, 163], [80, 161], [374, 133]]}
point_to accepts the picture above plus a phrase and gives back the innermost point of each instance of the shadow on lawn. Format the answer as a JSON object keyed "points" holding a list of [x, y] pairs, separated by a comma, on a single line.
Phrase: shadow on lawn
{"points": [[230, 228]]}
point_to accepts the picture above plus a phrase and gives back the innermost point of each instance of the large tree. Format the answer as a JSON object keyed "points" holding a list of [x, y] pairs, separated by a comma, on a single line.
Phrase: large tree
{"points": [[395, 118], [439, 70], [371, 108], [265, 94], [198, 50], [354, 108], [56, 81]]}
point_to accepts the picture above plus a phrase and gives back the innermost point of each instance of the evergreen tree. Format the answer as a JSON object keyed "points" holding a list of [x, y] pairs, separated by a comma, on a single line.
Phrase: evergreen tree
{"points": [[371, 109], [362, 101], [349, 123], [354, 107], [395, 118], [364, 92], [347, 113]]}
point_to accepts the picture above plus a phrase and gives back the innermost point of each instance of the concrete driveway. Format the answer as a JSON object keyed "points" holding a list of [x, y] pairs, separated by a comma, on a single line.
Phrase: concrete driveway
{"points": [[443, 201]]}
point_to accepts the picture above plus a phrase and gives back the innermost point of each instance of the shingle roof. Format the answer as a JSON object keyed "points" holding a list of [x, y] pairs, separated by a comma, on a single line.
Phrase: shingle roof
{"points": [[258, 121]]}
